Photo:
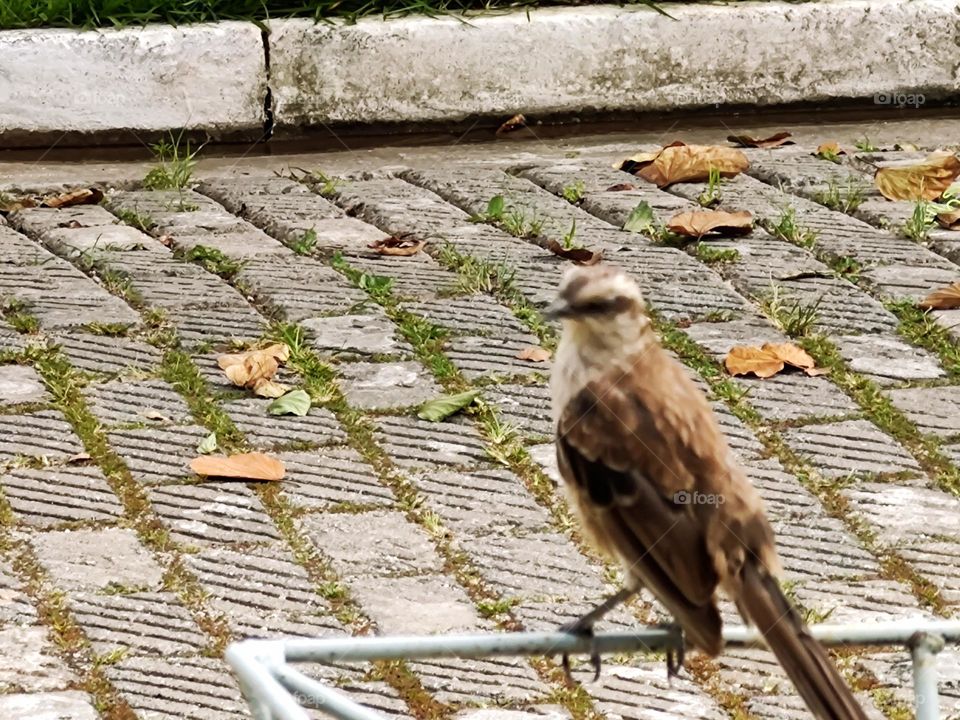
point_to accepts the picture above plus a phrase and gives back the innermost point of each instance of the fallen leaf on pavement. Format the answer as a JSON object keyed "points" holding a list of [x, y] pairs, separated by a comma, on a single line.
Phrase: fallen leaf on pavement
{"points": [[830, 150], [400, 246], [697, 223], [949, 220], [579, 255], [768, 360], [79, 457], [247, 466], [295, 402], [446, 405], [208, 444], [269, 389], [635, 162], [534, 354], [517, 122], [946, 298], [925, 181], [84, 196], [621, 187], [249, 368], [781, 138], [686, 163], [640, 219], [156, 416]]}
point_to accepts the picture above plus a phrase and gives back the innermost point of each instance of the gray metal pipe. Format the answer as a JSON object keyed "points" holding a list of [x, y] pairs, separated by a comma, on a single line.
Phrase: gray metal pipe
{"points": [[924, 647]]}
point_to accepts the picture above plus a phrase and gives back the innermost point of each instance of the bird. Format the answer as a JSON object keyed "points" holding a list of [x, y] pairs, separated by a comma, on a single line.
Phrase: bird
{"points": [[653, 483]]}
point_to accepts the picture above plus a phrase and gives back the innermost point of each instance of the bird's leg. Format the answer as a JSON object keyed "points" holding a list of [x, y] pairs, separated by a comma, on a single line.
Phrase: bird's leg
{"points": [[675, 656], [584, 626]]}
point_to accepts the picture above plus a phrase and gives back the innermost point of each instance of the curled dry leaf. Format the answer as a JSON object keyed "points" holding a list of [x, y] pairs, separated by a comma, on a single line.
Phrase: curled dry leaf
{"points": [[247, 466], [534, 354], [581, 256], [248, 369], [621, 187], [925, 181], [946, 298], [84, 196], [517, 122], [949, 220], [769, 359], [686, 163], [400, 246], [829, 150], [697, 223], [269, 389], [781, 138]]}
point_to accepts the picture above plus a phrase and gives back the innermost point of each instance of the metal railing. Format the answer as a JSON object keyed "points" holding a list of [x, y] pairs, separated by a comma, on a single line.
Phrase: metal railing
{"points": [[275, 690]]}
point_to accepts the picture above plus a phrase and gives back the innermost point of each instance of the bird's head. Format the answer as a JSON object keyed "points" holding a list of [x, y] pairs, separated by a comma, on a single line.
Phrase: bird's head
{"points": [[600, 303]]}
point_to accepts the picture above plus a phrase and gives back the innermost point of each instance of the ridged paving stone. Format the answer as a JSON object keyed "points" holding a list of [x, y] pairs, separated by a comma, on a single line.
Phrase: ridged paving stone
{"points": [[378, 696], [718, 338], [549, 616], [43, 434], [420, 605], [320, 479], [784, 498], [740, 438], [482, 502], [359, 335], [887, 358], [375, 543], [10, 339], [861, 601], [29, 662], [383, 386], [416, 277], [478, 357], [415, 443], [220, 324], [242, 245], [850, 447], [50, 496], [71, 704], [91, 560], [144, 623], [103, 354], [641, 691], [73, 243], [818, 547], [905, 514], [318, 427], [158, 455], [16, 608], [526, 407], [795, 396], [934, 410], [459, 680], [178, 687], [470, 315], [213, 512], [38, 220], [131, 402], [21, 384], [938, 560]]}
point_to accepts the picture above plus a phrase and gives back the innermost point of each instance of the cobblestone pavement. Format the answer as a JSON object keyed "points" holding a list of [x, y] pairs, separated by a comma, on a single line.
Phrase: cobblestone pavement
{"points": [[122, 577]]}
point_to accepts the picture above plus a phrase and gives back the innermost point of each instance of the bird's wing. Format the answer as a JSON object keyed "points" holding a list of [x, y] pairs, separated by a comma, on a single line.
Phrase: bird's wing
{"points": [[639, 447]]}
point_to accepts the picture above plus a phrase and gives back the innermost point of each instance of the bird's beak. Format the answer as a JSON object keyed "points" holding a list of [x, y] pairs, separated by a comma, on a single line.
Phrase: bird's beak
{"points": [[556, 310]]}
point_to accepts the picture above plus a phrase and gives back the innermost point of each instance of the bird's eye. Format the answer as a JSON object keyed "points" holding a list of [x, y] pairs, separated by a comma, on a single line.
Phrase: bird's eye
{"points": [[595, 307]]}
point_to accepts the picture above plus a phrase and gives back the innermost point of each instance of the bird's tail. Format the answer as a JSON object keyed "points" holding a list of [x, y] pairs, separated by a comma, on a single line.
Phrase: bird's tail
{"points": [[804, 659]]}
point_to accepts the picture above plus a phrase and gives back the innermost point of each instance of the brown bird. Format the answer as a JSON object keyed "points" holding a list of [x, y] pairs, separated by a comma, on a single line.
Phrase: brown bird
{"points": [[654, 484]]}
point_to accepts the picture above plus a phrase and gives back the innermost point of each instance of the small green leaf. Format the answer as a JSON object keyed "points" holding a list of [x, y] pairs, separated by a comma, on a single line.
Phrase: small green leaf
{"points": [[208, 444], [446, 405], [640, 218], [295, 402], [495, 207]]}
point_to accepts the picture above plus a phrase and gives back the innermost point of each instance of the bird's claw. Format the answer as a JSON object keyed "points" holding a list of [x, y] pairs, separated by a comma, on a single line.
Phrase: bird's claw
{"points": [[675, 655], [584, 630]]}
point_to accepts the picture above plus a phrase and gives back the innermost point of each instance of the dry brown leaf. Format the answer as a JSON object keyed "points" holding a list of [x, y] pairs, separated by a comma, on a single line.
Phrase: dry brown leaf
{"points": [[581, 256], [517, 122], [945, 298], [781, 138], [84, 196], [246, 369], [534, 354], [17, 204], [156, 416], [269, 389], [399, 246], [635, 162], [697, 223], [78, 458], [247, 466], [621, 187], [949, 220], [925, 181], [691, 163], [769, 359], [830, 148]]}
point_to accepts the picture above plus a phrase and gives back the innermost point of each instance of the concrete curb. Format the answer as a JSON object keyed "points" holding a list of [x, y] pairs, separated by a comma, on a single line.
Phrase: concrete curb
{"points": [[114, 83], [105, 85], [604, 58]]}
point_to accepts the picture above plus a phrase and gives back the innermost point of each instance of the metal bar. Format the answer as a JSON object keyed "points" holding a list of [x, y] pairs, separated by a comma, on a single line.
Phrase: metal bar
{"points": [[322, 697], [253, 661], [643, 639], [924, 647]]}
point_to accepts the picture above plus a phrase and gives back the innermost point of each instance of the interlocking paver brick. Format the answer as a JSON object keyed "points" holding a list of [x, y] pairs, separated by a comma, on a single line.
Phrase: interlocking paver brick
{"points": [[71, 704], [526, 407], [850, 447], [43, 434], [904, 514], [415, 443], [886, 358], [935, 410], [480, 681], [939, 560], [794, 396], [29, 662], [356, 335], [75, 242], [641, 691], [417, 277], [103, 354], [91, 560], [15, 608], [158, 455], [318, 427], [45, 497], [378, 543], [420, 605], [133, 402], [21, 384], [213, 512], [383, 386], [220, 324], [332, 476]]}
